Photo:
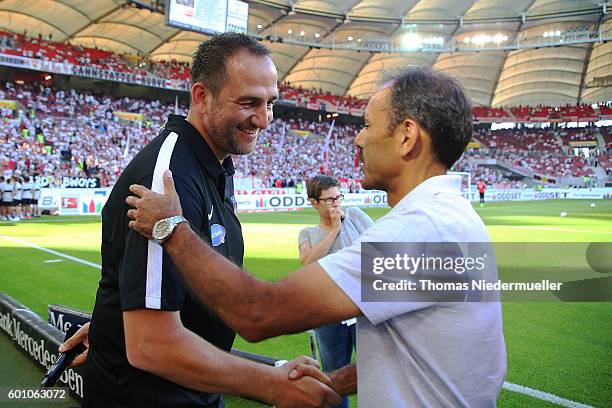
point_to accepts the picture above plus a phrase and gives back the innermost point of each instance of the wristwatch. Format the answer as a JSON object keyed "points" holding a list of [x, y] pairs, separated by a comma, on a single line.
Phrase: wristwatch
{"points": [[163, 229]]}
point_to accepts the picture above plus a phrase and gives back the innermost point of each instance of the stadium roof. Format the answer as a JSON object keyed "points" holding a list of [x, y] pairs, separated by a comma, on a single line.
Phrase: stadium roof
{"points": [[547, 75]]}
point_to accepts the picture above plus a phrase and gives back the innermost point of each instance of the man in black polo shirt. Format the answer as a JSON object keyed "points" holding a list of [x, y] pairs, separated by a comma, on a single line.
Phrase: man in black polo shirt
{"points": [[152, 344]]}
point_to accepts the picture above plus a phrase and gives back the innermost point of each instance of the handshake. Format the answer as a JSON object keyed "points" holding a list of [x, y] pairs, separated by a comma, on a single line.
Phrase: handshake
{"points": [[298, 383]]}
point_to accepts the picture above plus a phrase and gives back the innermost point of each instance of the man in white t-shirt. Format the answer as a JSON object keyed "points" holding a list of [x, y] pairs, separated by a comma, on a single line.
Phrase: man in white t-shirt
{"points": [[5, 205], [26, 196], [17, 196], [7, 198], [410, 354], [35, 197]]}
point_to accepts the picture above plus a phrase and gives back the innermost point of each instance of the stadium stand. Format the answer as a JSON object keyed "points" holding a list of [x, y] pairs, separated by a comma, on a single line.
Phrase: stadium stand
{"points": [[39, 48], [98, 143], [542, 151], [48, 50], [70, 133]]}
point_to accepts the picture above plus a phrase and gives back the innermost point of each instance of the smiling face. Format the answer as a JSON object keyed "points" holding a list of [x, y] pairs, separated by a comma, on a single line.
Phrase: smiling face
{"points": [[233, 119]]}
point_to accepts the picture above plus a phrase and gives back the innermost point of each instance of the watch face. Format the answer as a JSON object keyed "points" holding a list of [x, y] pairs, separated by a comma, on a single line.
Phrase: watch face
{"points": [[162, 229]]}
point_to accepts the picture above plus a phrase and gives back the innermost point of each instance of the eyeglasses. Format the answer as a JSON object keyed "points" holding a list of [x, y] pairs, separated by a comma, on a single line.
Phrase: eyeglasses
{"points": [[332, 200]]}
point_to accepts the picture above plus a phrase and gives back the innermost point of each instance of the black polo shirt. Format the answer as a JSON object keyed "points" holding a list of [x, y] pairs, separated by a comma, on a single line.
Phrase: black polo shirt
{"points": [[137, 274]]}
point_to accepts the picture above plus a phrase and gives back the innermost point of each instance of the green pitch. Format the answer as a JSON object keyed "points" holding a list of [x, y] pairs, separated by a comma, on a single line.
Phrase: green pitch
{"points": [[563, 349]]}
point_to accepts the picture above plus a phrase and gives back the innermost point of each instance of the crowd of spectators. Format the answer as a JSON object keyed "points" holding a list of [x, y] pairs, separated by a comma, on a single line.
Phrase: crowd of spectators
{"points": [[74, 133], [61, 133], [80, 134], [319, 98], [552, 113], [546, 152], [49, 50], [44, 48], [293, 150]]}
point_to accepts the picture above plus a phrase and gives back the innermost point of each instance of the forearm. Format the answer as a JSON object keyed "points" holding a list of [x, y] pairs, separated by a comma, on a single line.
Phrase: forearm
{"points": [[257, 309], [240, 300], [321, 249], [190, 361], [344, 380]]}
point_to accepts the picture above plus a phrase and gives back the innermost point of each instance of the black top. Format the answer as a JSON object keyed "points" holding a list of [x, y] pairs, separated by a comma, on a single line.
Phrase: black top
{"points": [[137, 274]]}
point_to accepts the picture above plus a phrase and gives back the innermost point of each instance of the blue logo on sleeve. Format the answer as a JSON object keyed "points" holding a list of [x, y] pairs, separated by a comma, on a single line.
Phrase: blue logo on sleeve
{"points": [[217, 234]]}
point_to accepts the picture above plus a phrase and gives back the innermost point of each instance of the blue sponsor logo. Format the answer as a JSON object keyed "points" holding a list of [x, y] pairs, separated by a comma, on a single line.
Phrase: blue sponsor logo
{"points": [[217, 234]]}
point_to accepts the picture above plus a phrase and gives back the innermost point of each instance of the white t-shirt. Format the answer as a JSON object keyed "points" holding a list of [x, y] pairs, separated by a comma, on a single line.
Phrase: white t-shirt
{"points": [[424, 354], [27, 190], [354, 224], [7, 192], [17, 191], [36, 187]]}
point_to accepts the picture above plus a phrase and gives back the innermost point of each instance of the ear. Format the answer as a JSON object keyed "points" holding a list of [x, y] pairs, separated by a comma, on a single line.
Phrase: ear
{"points": [[200, 95], [313, 202], [409, 135]]}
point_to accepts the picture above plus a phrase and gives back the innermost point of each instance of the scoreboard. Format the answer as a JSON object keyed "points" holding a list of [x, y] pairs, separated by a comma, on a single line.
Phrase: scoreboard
{"points": [[208, 16]]}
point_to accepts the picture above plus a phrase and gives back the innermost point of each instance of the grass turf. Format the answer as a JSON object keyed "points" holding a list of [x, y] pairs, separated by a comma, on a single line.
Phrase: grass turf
{"points": [[560, 348]]}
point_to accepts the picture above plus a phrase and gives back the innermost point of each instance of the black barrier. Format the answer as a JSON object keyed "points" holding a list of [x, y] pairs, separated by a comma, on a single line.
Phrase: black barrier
{"points": [[255, 357], [37, 340], [62, 317]]}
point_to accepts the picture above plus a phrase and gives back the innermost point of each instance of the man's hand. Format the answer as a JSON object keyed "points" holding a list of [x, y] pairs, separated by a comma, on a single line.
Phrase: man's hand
{"points": [[306, 366], [312, 389], [81, 336], [343, 380], [150, 207]]}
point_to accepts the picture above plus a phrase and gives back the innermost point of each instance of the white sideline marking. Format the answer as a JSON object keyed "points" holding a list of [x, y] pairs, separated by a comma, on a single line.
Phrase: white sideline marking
{"points": [[551, 229], [544, 396], [50, 251], [53, 260], [507, 385]]}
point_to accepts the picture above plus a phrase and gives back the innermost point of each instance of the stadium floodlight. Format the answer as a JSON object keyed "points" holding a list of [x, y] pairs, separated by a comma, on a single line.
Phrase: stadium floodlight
{"points": [[317, 35], [302, 33], [499, 38], [411, 41], [259, 26], [289, 31], [349, 38]]}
